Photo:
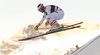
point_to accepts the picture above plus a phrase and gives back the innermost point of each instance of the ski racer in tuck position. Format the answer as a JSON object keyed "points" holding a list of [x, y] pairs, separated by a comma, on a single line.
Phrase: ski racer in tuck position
{"points": [[52, 13]]}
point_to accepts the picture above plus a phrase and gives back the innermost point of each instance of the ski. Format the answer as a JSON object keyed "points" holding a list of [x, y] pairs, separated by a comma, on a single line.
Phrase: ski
{"points": [[46, 34], [61, 29], [72, 26], [67, 26]]}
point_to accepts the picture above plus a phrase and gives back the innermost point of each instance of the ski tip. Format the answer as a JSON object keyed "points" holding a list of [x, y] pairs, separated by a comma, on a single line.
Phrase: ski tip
{"points": [[81, 22], [21, 40]]}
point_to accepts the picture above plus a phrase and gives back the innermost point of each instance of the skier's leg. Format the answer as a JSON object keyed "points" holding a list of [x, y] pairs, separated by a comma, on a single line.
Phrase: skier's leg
{"points": [[53, 17], [52, 21], [58, 15]]}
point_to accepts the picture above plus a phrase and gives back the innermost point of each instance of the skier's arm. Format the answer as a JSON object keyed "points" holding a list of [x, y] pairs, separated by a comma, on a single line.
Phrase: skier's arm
{"points": [[48, 11], [44, 16], [36, 28]]}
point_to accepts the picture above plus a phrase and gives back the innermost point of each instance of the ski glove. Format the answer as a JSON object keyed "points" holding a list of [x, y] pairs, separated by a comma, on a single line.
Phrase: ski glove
{"points": [[36, 28], [47, 23]]}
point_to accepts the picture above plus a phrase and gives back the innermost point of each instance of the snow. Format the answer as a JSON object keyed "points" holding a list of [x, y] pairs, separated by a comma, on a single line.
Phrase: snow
{"points": [[0, 41], [85, 37], [62, 43], [90, 48], [57, 45]]}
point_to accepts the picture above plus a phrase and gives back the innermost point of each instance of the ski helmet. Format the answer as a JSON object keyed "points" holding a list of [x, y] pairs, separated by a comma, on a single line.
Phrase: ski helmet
{"points": [[40, 7]]}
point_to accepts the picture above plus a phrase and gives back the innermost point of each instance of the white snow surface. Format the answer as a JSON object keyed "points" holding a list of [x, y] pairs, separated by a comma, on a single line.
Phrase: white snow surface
{"points": [[90, 48], [56, 45]]}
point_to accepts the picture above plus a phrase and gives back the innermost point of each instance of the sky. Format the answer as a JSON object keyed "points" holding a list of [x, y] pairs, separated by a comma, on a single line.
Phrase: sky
{"points": [[14, 14]]}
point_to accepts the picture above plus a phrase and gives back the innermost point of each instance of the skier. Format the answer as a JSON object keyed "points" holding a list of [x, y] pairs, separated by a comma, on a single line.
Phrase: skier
{"points": [[52, 13]]}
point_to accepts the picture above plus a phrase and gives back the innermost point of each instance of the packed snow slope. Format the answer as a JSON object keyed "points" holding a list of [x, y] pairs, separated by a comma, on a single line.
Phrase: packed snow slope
{"points": [[61, 43], [90, 48]]}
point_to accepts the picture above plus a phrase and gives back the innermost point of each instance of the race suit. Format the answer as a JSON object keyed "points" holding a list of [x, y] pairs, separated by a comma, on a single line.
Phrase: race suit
{"points": [[52, 13]]}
